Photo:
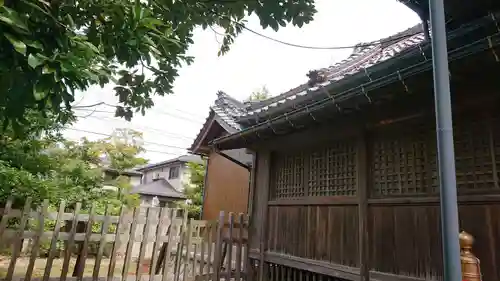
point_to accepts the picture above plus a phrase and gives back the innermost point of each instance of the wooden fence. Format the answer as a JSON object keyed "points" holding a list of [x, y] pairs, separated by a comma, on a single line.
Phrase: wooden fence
{"points": [[146, 243]]}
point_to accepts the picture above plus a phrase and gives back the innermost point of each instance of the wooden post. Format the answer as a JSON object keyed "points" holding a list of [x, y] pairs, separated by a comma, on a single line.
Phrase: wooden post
{"points": [[471, 271], [362, 182], [229, 245], [218, 246], [18, 239], [264, 175]]}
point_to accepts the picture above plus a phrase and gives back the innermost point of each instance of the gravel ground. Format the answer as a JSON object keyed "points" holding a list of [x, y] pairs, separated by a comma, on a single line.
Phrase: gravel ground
{"points": [[22, 264]]}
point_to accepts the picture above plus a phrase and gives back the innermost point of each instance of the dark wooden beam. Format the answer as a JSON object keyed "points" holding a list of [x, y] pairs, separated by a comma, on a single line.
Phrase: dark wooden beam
{"points": [[362, 180], [329, 268], [264, 166], [462, 199], [316, 200], [233, 160]]}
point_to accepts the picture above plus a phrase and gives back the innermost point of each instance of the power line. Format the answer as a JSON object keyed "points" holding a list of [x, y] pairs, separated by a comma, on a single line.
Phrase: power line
{"points": [[162, 152], [108, 135], [361, 45], [144, 128], [89, 105], [154, 109], [87, 108]]}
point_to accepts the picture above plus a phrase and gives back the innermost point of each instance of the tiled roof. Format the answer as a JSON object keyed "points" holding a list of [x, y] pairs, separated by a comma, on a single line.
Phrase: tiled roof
{"points": [[361, 59], [228, 109], [231, 111], [159, 187], [184, 158], [225, 111]]}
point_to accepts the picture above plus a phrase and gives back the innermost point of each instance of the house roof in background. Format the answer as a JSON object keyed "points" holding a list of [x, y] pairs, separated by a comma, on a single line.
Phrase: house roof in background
{"points": [[127, 172], [181, 159], [160, 188]]}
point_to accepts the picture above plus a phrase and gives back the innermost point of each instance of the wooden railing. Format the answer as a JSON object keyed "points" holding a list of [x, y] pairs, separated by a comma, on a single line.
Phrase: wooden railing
{"points": [[147, 242], [278, 267]]}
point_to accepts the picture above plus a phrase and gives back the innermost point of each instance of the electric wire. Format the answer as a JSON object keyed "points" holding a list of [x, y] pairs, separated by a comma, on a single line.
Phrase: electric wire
{"points": [[361, 45], [87, 108], [109, 135], [143, 128]]}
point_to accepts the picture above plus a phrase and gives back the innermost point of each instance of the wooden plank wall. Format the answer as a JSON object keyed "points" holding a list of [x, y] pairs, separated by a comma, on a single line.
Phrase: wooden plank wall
{"points": [[392, 227], [405, 238], [327, 233]]}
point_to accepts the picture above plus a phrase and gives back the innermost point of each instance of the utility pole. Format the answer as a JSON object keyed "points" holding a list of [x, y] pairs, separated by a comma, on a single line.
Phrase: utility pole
{"points": [[445, 145]]}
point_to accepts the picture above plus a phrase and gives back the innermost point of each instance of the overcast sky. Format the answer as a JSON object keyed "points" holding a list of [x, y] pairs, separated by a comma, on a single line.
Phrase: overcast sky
{"points": [[175, 120]]}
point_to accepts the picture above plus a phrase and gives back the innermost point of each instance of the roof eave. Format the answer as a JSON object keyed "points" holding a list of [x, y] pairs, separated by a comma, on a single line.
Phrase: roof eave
{"points": [[179, 197], [422, 64], [203, 132], [160, 164], [196, 146]]}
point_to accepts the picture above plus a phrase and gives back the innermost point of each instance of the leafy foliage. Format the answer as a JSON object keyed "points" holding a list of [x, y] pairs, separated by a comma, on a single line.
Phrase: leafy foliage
{"points": [[261, 94], [51, 48], [121, 149], [43, 165], [194, 190]]}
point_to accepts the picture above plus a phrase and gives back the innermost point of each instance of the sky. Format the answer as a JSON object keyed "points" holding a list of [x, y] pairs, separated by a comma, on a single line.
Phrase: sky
{"points": [[171, 125]]}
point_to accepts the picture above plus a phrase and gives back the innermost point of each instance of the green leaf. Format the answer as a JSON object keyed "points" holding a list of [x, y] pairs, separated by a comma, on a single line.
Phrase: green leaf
{"points": [[18, 45], [35, 6], [12, 18], [70, 20], [34, 61], [44, 2], [88, 45], [35, 44], [151, 22], [47, 69], [1, 3], [138, 11], [39, 93]]}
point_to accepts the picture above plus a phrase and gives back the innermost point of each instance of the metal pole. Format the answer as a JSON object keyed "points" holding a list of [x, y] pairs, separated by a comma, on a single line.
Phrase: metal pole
{"points": [[446, 152]]}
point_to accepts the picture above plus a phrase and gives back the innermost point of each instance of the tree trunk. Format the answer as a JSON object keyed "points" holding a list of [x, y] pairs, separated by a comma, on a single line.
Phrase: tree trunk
{"points": [[162, 257], [79, 265]]}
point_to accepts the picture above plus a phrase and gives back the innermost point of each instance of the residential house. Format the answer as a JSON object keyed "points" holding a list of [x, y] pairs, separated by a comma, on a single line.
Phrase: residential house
{"points": [[228, 171], [175, 171], [158, 189], [346, 182], [134, 176]]}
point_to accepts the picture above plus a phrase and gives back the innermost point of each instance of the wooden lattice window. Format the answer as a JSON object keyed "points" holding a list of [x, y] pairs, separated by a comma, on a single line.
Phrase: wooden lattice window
{"points": [[287, 176], [404, 161], [332, 170], [477, 147]]}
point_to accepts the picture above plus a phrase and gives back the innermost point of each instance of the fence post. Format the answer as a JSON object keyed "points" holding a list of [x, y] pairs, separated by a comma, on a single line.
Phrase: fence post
{"points": [[218, 246], [471, 270]]}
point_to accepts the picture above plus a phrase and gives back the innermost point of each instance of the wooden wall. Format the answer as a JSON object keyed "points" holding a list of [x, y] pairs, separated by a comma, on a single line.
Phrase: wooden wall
{"points": [[368, 198], [327, 233], [226, 187], [405, 238]]}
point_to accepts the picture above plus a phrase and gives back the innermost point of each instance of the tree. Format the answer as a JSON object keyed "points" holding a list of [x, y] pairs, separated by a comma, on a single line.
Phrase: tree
{"points": [[122, 148], [194, 189], [43, 165], [261, 94], [51, 48]]}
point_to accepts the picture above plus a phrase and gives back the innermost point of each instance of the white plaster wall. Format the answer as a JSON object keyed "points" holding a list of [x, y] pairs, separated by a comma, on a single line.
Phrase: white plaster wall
{"points": [[135, 180], [163, 172]]}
